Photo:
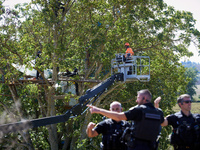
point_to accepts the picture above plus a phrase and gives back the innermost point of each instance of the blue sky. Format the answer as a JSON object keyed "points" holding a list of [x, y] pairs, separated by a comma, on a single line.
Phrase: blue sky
{"points": [[187, 5]]}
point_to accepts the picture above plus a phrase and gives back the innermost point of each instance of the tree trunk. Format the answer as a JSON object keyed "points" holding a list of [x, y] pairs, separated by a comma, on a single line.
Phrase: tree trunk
{"points": [[17, 101], [69, 133], [52, 129]]}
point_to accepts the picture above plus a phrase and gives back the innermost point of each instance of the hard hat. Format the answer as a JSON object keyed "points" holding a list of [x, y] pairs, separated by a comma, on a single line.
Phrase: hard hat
{"points": [[126, 44]]}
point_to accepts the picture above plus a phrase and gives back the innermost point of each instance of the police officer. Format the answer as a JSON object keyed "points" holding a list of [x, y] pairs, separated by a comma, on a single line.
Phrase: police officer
{"points": [[146, 117], [110, 129], [185, 135]]}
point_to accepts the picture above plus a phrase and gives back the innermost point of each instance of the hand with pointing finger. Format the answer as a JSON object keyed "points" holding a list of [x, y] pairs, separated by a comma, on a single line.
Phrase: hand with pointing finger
{"points": [[93, 109]]}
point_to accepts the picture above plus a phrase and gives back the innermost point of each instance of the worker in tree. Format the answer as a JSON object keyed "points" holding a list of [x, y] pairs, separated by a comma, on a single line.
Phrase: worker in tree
{"points": [[129, 51], [37, 57], [71, 74]]}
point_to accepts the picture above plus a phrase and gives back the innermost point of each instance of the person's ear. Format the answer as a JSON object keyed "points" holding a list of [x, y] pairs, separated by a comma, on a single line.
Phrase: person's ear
{"points": [[180, 104]]}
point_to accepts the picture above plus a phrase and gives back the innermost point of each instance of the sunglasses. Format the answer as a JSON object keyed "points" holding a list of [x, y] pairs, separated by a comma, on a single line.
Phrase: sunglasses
{"points": [[188, 101]]}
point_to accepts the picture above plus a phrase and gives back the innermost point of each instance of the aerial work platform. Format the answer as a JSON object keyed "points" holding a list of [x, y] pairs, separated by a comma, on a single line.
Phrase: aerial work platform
{"points": [[132, 67]]}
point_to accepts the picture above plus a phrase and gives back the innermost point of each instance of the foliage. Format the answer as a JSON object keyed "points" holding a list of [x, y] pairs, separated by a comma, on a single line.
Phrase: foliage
{"points": [[194, 65], [190, 64], [87, 35], [191, 73]]}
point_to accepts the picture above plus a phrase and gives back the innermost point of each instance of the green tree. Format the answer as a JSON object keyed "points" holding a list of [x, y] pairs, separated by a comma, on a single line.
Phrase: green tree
{"points": [[87, 35], [191, 73]]}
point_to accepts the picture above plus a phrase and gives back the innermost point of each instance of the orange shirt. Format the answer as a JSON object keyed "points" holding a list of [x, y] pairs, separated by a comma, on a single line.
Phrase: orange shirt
{"points": [[129, 50]]}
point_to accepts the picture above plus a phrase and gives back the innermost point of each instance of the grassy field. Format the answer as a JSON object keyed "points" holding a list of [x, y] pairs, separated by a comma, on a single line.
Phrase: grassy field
{"points": [[195, 108]]}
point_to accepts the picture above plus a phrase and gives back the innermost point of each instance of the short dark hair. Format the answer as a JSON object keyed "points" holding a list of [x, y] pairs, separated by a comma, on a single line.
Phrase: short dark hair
{"points": [[181, 97], [145, 92]]}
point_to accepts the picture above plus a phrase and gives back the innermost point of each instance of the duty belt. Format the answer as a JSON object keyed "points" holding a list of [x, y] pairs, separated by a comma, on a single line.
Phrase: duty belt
{"points": [[182, 147]]}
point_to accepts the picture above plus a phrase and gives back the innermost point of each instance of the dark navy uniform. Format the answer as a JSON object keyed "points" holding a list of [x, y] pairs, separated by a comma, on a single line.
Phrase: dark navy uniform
{"points": [[147, 120], [185, 135], [112, 132]]}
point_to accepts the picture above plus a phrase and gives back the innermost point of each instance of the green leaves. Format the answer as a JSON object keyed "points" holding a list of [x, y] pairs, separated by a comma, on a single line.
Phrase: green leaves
{"points": [[87, 35]]}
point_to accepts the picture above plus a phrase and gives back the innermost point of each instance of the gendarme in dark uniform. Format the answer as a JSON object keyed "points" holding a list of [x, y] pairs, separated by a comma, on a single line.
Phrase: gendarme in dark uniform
{"points": [[111, 134], [185, 130], [147, 120], [110, 129], [186, 126]]}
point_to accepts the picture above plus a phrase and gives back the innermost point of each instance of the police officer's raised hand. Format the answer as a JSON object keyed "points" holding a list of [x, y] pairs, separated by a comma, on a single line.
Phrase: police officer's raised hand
{"points": [[157, 101], [93, 109]]}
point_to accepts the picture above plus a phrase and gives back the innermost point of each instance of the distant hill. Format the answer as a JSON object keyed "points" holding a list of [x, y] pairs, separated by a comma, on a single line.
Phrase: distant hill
{"points": [[190, 64]]}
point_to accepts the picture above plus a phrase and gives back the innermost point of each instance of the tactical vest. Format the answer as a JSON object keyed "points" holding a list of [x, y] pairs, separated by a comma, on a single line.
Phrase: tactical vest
{"points": [[112, 140], [187, 133], [148, 127]]}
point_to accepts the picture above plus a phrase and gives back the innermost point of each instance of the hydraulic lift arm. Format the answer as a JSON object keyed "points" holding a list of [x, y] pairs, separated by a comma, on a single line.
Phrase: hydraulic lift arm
{"points": [[89, 98], [123, 69]]}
